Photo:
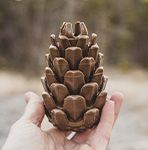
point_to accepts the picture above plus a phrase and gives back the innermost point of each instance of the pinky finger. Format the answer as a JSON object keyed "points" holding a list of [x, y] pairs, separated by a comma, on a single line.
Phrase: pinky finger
{"points": [[103, 131], [117, 98]]}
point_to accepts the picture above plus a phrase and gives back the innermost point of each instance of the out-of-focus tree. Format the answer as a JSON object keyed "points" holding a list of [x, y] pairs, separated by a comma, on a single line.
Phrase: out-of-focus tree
{"points": [[26, 25], [137, 23]]}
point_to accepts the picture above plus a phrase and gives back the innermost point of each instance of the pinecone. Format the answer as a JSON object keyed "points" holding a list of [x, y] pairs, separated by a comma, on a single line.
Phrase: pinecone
{"points": [[74, 83]]}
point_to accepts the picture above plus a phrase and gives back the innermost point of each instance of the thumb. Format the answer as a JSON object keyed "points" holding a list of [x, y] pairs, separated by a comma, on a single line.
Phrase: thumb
{"points": [[34, 110]]}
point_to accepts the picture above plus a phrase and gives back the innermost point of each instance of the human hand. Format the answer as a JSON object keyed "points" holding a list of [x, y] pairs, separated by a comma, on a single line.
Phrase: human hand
{"points": [[26, 133]]}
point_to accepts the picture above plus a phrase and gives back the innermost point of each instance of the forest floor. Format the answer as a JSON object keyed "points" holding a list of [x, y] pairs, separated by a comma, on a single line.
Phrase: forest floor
{"points": [[131, 129]]}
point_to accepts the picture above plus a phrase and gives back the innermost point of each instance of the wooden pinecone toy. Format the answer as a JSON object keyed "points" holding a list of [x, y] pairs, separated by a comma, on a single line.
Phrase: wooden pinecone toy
{"points": [[74, 83]]}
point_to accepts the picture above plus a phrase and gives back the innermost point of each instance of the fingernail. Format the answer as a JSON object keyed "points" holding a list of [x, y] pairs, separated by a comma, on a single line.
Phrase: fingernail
{"points": [[121, 94], [112, 102]]}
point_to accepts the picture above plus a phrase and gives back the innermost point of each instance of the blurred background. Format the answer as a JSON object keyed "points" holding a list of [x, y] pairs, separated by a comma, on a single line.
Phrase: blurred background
{"points": [[122, 29]]}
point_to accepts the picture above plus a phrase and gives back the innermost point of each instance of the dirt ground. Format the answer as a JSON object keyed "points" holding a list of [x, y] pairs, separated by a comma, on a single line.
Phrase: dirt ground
{"points": [[131, 129]]}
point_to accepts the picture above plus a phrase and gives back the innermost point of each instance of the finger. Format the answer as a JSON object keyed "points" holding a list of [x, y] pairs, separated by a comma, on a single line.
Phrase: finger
{"points": [[84, 147], [82, 137], [103, 131], [118, 99], [34, 110], [85, 137]]}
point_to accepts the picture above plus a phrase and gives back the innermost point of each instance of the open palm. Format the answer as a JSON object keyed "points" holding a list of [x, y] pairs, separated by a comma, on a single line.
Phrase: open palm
{"points": [[26, 133]]}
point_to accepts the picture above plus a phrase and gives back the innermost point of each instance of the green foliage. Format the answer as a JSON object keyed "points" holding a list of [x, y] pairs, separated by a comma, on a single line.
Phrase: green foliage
{"points": [[124, 65]]}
